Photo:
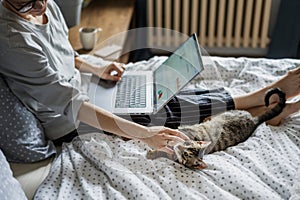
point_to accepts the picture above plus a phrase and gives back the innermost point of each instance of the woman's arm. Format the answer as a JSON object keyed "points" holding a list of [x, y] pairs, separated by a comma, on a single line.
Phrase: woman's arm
{"points": [[155, 137], [104, 72]]}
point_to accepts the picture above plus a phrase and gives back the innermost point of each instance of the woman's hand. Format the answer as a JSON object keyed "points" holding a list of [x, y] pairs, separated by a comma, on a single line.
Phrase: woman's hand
{"points": [[163, 137], [111, 72]]}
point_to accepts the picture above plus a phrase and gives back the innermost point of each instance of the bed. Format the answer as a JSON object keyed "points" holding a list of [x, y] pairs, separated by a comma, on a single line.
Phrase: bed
{"points": [[266, 166]]}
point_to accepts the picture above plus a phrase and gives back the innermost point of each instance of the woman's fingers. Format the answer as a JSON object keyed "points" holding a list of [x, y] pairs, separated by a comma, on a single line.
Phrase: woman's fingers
{"points": [[114, 71], [163, 136], [175, 133], [167, 140], [118, 68]]}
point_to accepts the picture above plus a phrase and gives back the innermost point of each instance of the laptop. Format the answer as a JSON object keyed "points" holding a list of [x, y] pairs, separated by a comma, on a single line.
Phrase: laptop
{"points": [[147, 92]]}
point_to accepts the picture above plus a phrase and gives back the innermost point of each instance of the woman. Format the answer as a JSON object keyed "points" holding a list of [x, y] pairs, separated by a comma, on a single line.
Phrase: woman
{"points": [[38, 63]]}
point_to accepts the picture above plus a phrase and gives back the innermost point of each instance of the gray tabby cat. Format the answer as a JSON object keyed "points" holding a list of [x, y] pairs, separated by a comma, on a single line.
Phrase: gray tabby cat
{"points": [[219, 132]]}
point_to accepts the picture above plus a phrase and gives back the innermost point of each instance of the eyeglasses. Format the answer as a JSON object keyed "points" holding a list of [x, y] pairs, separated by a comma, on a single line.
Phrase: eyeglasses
{"points": [[24, 8]]}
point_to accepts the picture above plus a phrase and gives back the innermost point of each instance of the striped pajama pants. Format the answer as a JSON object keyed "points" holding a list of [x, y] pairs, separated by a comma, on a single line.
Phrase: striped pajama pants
{"points": [[188, 107]]}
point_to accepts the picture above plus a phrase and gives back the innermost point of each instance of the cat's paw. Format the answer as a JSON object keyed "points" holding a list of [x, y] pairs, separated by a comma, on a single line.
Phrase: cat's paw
{"points": [[151, 155], [164, 152]]}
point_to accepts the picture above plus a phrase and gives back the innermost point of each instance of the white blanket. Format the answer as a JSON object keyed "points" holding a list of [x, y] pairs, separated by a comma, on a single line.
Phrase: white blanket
{"points": [[266, 166]]}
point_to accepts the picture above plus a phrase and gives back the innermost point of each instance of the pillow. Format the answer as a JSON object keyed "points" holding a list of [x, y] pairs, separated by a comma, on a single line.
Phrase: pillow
{"points": [[10, 188], [21, 135]]}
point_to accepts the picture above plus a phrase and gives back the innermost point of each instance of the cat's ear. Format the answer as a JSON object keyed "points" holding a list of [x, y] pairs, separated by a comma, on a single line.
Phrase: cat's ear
{"points": [[207, 119], [200, 165], [204, 144]]}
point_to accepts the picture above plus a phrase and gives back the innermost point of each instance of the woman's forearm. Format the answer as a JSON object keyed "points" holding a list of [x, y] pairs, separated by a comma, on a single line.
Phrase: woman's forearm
{"points": [[155, 136], [83, 66], [101, 119]]}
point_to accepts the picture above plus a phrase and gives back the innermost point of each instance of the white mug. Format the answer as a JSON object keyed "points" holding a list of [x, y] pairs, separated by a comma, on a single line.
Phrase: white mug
{"points": [[89, 37]]}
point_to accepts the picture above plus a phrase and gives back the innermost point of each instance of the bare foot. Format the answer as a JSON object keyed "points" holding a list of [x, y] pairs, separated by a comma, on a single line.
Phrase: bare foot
{"points": [[289, 109], [290, 83]]}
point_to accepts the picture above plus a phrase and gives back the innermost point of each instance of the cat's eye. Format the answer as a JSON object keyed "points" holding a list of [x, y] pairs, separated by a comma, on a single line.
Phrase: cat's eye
{"points": [[187, 143]]}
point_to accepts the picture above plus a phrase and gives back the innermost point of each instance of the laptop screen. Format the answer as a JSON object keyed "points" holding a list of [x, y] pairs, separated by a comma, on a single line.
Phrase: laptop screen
{"points": [[177, 71]]}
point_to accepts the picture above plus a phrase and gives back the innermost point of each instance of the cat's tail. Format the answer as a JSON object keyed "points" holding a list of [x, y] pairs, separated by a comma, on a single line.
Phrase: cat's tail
{"points": [[276, 110]]}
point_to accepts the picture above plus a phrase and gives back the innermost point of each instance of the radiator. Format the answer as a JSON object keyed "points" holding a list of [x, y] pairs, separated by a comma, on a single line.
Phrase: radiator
{"points": [[222, 26]]}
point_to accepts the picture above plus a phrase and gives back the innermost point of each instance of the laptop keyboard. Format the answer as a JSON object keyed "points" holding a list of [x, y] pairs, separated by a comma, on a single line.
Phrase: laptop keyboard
{"points": [[135, 97]]}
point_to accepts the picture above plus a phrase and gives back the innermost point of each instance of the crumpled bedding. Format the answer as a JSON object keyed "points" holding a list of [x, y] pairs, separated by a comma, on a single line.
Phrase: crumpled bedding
{"points": [[266, 166]]}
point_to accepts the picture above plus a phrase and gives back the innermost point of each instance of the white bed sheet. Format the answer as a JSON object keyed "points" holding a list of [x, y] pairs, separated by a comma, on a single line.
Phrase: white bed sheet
{"points": [[266, 166]]}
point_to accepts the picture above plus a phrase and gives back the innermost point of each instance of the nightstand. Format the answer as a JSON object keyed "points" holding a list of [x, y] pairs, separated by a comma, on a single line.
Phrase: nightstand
{"points": [[113, 17]]}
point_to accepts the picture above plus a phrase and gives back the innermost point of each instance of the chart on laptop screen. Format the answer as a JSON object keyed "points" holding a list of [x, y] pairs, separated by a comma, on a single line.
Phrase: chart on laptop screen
{"points": [[177, 71]]}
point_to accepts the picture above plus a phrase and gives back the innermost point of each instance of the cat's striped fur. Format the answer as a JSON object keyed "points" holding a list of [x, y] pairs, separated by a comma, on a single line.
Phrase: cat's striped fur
{"points": [[219, 132]]}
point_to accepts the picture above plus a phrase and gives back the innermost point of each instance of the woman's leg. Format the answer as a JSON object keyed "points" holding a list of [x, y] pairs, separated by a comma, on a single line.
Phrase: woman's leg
{"points": [[193, 106], [289, 84], [254, 102], [290, 108]]}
